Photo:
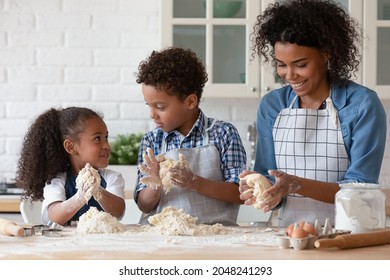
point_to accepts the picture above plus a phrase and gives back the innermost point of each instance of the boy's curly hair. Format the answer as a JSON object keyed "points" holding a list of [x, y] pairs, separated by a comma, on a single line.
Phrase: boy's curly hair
{"points": [[175, 70], [321, 24], [43, 155]]}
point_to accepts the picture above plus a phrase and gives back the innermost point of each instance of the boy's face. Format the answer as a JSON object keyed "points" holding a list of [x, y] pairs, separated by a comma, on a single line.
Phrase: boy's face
{"points": [[168, 112]]}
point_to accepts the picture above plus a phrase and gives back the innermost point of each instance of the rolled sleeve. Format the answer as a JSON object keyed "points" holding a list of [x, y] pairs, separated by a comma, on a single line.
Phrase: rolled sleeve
{"points": [[364, 133]]}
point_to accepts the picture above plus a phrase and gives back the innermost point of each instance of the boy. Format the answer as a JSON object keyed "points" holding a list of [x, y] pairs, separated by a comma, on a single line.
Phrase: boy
{"points": [[172, 85]]}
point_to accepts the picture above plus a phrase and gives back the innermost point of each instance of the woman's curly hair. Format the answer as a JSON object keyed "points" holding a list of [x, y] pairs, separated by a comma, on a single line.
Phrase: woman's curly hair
{"points": [[43, 155], [321, 24], [175, 70]]}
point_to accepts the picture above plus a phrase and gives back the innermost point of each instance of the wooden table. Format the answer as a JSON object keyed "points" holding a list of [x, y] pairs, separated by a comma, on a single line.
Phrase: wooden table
{"points": [[239, 243]]}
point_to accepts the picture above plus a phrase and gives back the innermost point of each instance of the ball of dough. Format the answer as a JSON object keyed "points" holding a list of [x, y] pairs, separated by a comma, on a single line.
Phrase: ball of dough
{"points": [[88, 180], [258, 183], [165, 176]]}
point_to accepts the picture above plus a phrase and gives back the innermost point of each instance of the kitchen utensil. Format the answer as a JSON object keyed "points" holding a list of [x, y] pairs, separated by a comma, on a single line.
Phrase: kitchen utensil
{"points": [[29, 231], [348, 241], [38, 228], [52, 232], [10, 228], [53, 225]]}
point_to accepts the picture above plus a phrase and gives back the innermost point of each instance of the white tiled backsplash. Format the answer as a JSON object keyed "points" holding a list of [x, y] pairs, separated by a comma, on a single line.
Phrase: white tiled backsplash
{"points": [[61, 53]]}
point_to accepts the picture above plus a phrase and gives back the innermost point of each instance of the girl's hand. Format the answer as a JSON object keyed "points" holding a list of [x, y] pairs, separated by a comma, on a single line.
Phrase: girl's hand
{"points": [[85, 192]]}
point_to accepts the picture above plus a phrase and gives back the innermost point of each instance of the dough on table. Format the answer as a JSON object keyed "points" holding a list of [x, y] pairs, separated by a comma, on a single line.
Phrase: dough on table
{"points": [[172, 221], [258, 184], [95, 221]]}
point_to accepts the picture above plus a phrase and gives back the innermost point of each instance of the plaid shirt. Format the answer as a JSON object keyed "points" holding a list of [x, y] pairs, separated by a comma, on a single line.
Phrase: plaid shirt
{"points": [[223, 135]]}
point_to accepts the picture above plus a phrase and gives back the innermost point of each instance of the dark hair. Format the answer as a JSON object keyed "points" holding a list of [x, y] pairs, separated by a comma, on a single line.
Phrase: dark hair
{"points": [[43, 155], [175, 70], [320, 24]]}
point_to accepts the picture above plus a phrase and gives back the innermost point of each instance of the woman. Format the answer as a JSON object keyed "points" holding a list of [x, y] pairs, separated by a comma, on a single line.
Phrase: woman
{"points": [[321, 129]]}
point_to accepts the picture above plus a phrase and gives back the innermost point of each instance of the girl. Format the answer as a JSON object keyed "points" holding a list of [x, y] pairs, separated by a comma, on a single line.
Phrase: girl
{"points": [[56, 147]]}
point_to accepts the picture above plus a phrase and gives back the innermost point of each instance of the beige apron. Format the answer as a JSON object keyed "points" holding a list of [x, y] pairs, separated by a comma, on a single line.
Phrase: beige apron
{"points": [[204, 161], [309, 144]]}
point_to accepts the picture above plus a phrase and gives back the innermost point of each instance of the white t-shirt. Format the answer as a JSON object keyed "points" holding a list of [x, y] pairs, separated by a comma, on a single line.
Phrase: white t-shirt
{"points": [[55, 191]]}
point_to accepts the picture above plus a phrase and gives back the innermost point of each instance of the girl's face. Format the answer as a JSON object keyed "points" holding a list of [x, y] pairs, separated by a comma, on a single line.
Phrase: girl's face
{"points": [[92, 146], [304, 68], [168, 112]]}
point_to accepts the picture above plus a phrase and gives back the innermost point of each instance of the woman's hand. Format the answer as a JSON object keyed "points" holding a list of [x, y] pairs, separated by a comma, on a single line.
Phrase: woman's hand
{"points": [[284, 185]]}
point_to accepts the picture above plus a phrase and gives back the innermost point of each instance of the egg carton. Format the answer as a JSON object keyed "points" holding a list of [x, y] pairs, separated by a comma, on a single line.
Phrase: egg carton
{"points": [[285, 242]]}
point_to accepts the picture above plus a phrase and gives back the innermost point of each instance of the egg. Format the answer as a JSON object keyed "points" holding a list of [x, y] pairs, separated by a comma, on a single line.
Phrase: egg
{"points": [[299, 233], [301, 223], [289, 229], [310, 229], [306, 226]]}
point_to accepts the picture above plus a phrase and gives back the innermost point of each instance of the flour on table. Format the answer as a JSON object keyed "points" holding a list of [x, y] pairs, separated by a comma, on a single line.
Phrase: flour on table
{"points": [[172, 221], [258, 184], [95, 221], [88, 180]]}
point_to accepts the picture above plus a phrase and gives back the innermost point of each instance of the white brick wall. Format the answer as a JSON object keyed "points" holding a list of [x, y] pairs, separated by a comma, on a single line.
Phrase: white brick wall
{"points": [[59, 53]]}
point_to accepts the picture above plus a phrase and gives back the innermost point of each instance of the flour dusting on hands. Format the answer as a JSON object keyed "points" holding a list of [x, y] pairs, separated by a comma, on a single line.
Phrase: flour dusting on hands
{"points": [[88, 182], [166, 166]]}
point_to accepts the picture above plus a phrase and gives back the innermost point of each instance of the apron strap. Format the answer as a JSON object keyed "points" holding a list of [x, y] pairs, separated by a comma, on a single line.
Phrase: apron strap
{"points": [[206, 139], [329, 106], [292, 102], [332, 111]]}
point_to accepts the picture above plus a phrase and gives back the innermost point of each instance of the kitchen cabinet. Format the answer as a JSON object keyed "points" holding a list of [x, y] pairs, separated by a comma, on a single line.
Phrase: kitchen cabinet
{"points": [[376, 46], [223, 43], [374, 18], [218, 31], [9, 203]]}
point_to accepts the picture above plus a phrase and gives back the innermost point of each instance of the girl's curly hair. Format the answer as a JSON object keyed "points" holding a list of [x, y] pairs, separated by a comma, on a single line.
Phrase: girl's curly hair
{"points": [[43, 155], [321, 24], [175, 70]]}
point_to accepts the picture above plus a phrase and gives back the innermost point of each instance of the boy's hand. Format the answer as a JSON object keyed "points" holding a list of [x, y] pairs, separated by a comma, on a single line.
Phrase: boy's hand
{"points": [[246, 192], [181, 174], [151, 167]]}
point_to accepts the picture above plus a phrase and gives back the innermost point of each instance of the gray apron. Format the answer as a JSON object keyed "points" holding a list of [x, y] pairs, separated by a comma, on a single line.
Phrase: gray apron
{"points": [[309, 144], [204, 161]]}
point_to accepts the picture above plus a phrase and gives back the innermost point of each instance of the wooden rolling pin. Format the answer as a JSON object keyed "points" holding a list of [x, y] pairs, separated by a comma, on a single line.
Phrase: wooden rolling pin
{"points": [[356, 240], [9, 228]]}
